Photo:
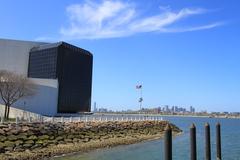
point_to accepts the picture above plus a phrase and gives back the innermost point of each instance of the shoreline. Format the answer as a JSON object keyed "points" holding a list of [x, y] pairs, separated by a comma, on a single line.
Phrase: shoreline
{"points": [[166, 115], [46, 140], [71, 149], [147, 139]]}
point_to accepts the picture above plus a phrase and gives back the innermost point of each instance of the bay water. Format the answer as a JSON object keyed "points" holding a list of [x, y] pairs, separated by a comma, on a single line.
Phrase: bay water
{"points": [[153, 150]]}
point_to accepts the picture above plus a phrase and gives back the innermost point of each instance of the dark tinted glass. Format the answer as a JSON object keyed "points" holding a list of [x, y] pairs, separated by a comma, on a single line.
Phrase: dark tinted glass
{"points": [[43, 63], [72, 66], [75, 80]]}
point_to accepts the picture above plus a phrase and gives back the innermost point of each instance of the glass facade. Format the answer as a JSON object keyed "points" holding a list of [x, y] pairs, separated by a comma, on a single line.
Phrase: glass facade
{"points": [[75, 80], [72, 66], [43, 63]]}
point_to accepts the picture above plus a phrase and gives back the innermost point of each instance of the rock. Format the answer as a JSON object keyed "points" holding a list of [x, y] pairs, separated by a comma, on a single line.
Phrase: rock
{"points": [[27, 145], [43, 137], [61, 142], [2, 132], [33, 137], [70, 137], [59, 138], [86, 140], [39, 142], [3, 138], [43, 132], [2, 145], [52, 142], [29, 142], [36, 146], [8, 149], [39, 135], [19, 149], [3, 125], [96, 137], [12, 137], [18, 142], [9, 144], [25, 128], [2, 150], [13, 131], [60, 132], [75, 140], [68, 140], [22, 136]]}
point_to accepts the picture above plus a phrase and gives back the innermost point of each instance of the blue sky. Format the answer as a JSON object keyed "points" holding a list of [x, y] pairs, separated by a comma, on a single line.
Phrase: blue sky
{"points": [[183, 52]]}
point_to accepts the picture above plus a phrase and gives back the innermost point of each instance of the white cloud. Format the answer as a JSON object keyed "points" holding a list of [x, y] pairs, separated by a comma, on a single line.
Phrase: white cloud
{"points": [[188, 29], [110, 19]]}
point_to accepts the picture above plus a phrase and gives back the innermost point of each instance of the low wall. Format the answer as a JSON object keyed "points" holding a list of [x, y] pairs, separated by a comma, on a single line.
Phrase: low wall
{"points": [[15, 112], [44, 102], [34, 136]]}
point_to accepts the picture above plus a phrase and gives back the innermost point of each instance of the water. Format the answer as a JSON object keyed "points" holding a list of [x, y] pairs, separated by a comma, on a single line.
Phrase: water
{"points": [[153, 150]]}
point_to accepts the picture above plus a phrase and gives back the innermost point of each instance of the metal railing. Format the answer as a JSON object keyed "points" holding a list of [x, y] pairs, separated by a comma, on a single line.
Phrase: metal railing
{"points": [[85, 118], [93, 118]]}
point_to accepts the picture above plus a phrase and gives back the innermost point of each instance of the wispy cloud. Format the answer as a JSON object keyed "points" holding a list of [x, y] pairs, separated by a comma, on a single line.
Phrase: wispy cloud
{"points": [[109, 19], [188, 29]]}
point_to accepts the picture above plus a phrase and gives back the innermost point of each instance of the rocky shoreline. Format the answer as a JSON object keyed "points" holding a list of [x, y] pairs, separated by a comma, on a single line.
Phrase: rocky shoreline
{"points": [[42, 140]]}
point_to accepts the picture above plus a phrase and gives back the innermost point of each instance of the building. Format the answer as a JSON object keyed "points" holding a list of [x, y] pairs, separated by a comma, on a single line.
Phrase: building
{"points": [[95, 107], [192, 109], [61, 71]]}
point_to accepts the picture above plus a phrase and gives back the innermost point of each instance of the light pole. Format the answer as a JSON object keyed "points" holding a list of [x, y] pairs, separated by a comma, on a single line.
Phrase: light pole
{"points": [[24, 110]]}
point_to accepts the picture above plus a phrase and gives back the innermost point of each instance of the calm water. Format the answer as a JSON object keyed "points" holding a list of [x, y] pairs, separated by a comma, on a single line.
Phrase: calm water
{"points": [[153, 150]]}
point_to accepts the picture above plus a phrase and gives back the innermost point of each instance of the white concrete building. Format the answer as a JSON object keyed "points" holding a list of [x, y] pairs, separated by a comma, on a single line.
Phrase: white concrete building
{"points": [[62, 73]]}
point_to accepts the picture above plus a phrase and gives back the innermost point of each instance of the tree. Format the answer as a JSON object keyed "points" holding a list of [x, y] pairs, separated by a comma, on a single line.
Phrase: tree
{"points": [[14, 87]]}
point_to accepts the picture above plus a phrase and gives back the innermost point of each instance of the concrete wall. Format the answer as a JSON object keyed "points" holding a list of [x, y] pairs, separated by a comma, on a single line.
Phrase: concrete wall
{"points": [[44, 102], [15, 54], [15, 112]]}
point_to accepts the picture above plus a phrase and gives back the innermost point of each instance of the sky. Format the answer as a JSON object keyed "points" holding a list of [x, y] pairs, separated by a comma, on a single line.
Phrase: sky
{"points": [[183, 52]]}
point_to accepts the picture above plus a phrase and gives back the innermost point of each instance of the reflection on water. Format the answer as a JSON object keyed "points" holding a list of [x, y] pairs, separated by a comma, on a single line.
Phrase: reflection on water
{"points": [[153, 150]]}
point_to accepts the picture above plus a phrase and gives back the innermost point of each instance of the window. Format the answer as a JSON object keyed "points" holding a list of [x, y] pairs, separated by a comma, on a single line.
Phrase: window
{"points": [[42, 63]]}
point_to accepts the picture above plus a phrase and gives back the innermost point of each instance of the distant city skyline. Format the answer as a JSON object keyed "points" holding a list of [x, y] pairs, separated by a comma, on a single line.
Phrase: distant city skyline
{"points": [[184, 53]]}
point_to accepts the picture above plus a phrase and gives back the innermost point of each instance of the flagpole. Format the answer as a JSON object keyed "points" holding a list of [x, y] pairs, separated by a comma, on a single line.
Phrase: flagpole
{"points": [[141, 98], [139, 87]]}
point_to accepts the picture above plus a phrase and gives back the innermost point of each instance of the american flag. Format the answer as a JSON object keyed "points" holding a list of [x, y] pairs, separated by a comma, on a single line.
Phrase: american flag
{"points": [[138, 86]]}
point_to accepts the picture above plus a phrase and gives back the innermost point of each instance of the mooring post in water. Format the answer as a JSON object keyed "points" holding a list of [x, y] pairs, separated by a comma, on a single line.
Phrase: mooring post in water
{"points": [[168, 143], [193, 144], [207, 142], [218, 141]]}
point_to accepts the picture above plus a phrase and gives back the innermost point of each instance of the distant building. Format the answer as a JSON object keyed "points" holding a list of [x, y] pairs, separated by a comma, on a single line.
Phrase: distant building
{"points": [[172, 110], [61, 71], [166, 108], [95, 107], [176, 109], [103, 110], [192, 109]]}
